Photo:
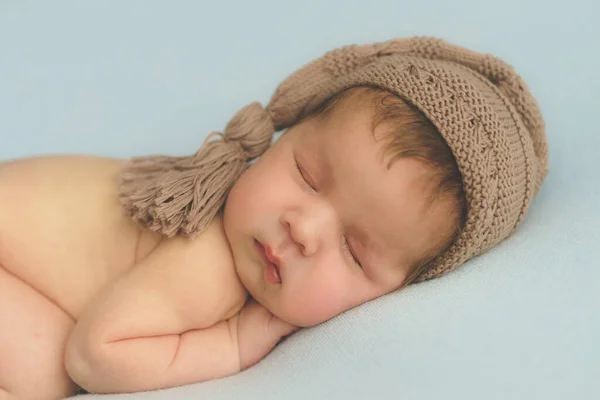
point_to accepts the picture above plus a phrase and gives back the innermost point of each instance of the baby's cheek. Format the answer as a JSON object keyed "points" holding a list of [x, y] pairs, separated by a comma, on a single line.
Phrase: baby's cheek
{"points": [[315, 302]]}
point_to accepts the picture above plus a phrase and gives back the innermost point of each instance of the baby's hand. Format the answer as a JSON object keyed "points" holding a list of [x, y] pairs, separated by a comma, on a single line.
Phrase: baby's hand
{"points": [[258, 331]]}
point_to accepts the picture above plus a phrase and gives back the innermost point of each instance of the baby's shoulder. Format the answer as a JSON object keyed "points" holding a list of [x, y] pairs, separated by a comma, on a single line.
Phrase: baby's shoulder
{"points": [[59, 175], [44, 187], [211, 255], [204, 272], [62, 228]]}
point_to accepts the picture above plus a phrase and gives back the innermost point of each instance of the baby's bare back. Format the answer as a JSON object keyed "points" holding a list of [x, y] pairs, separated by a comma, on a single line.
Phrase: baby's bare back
{"points": [[62, 230], [63, 234]]}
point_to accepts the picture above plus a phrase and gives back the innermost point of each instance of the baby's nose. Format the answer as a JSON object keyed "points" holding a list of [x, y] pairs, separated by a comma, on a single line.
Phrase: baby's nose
{"points": [[309, 230]]}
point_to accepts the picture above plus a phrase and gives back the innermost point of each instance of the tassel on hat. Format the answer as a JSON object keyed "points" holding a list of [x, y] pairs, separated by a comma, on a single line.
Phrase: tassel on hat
{"points": [[479, 104], [181, 195]]}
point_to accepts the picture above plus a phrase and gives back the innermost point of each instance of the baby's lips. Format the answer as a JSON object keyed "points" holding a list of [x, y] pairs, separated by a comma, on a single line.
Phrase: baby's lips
{"points": [[271, 256], [272, 273], [272, 269]]}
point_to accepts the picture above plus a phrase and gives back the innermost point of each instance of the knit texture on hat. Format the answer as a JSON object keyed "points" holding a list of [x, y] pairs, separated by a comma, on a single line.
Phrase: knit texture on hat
{"points": [[479, 104]]}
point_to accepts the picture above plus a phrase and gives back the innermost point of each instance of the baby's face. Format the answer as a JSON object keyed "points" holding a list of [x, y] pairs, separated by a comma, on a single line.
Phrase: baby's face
{"points": [[321, 187]]}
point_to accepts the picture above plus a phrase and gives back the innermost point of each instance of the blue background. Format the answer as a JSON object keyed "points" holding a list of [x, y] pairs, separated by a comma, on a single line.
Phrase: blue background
{"points": [[125, 78]]}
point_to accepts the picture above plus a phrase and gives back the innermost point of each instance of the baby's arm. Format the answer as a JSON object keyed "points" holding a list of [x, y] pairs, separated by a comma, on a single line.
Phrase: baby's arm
{"points": [[258, 331], [161, 324]]}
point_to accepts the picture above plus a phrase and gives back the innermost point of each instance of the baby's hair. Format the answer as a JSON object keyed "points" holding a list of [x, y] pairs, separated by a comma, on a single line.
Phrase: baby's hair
{"points": [[412, 136]]}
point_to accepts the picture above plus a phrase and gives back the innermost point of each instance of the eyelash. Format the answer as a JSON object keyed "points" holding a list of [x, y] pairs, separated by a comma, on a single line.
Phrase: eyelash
{"points": [[304, 181], [346, 246], [348, 251]]}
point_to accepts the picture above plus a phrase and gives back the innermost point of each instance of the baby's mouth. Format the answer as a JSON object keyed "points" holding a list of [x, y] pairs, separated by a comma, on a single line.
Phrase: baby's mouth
{"points": [[272, 275]]}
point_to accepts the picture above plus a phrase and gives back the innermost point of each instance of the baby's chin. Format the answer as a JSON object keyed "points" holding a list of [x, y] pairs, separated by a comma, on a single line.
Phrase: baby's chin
{"points": [[300, 322], [295, 314], [302, 318]]}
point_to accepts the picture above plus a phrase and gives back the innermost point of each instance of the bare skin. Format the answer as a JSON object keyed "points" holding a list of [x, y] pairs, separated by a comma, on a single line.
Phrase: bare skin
{"points": [[63, 241], [90, 299]]}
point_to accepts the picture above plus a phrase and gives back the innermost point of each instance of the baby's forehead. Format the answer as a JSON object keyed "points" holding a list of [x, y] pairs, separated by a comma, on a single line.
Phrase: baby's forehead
{"points": [[400, 194], [423, 221]]}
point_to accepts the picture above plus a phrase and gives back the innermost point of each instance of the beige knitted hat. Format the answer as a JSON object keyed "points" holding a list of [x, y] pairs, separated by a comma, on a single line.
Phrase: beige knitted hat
{"points": [[479, 104]]}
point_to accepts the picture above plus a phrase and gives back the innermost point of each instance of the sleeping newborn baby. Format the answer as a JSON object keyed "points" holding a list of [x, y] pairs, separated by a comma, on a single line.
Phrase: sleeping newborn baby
{"points": [[369, 190]]}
